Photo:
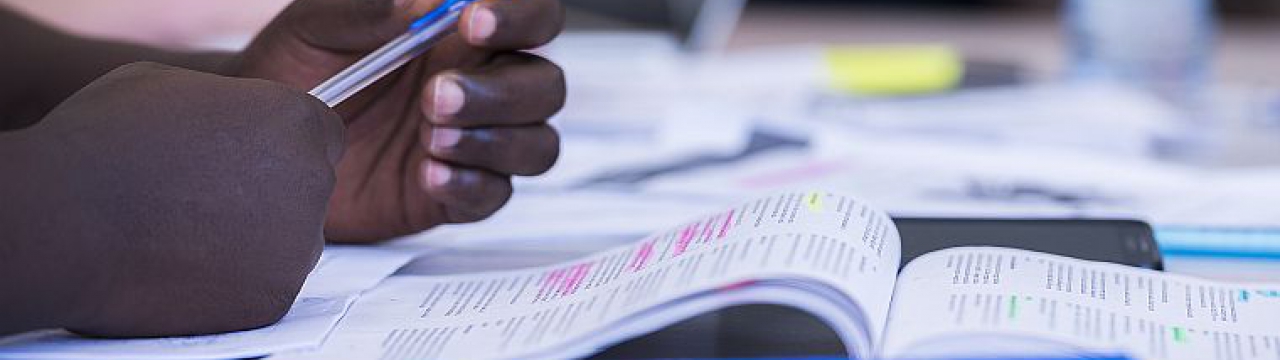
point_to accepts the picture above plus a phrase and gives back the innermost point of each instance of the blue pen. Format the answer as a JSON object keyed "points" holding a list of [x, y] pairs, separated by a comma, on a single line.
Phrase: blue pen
{"points": [[422, 35]]}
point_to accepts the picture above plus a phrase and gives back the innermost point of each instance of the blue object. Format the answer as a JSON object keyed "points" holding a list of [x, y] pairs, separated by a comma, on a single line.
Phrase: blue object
{"points": [[439, 12], [422, 34], [1219, 242]]}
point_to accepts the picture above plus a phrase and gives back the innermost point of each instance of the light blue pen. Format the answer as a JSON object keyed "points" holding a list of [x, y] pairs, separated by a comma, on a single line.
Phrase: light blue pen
{"points": [[422, 35]]}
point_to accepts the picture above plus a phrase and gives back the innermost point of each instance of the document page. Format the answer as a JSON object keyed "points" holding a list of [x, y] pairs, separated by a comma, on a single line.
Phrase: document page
{"points": [[339, 277], [989, 300], [563, 310]]}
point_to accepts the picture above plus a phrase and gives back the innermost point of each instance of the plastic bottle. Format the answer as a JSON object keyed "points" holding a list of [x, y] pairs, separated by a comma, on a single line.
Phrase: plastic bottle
{"points": [[1165, 46]]}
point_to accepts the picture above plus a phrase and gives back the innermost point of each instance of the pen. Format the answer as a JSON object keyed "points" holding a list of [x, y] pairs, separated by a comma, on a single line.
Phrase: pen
{"points": [[422, 35]]}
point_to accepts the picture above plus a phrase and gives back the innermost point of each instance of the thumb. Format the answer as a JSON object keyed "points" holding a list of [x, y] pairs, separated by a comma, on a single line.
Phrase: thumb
{"points": [[352, 25]]}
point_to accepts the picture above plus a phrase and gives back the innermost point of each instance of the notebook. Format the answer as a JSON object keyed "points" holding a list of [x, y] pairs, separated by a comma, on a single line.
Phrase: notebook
{"points": [[830, 255]]}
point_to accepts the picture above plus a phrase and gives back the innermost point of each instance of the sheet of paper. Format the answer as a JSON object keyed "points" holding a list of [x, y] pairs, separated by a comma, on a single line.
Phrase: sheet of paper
{"points": [[1097, 118], [559, 310], [340, 276], [922, 177], [988, 301]]}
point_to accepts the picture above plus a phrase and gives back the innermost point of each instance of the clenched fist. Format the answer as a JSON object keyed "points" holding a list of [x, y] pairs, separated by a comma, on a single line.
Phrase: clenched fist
{"points": [[158, 201]]}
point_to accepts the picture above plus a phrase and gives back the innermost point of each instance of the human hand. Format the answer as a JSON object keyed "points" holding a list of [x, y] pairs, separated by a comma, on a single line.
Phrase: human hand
{"points": [[437, 141], [159, 201]]}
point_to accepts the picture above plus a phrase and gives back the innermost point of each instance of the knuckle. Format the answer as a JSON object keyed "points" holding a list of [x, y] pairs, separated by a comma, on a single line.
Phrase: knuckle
{"points": [[482, 208], [137, 68], [559, 88], [555, 15], [459, 216], [550, 155], [540, 155], [139, 77], [488, 138], [294, 125], [478, 145], [290, 104], [268, 310]]}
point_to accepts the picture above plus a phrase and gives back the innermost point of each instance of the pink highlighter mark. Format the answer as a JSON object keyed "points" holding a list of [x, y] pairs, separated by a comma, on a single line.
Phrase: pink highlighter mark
{"points": [[642, 256], [724, 228], [737, 286], [708, 231], [549, 283], [686, 236], [574, 279]]}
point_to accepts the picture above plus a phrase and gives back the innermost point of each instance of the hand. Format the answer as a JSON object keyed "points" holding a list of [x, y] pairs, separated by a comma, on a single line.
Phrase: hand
{"points": [[438, 141], [159, 201]]}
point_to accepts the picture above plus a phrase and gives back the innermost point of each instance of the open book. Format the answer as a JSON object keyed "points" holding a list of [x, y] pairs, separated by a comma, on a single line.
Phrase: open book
{"points": [[829, 255]]}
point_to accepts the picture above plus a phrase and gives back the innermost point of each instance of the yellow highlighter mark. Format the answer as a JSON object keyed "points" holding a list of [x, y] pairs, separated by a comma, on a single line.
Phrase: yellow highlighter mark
{"points": [[814, 201], [894, 69]]}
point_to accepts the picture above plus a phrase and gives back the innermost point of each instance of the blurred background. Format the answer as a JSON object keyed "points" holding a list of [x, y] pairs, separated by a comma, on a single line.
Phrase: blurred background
{"points": [[1030, 34], [1025, 32], [1166, 111]]}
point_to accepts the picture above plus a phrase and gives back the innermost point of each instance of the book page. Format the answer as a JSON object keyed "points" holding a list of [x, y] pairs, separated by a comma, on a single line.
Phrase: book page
{"points": [[988, 301], [571, 308]]}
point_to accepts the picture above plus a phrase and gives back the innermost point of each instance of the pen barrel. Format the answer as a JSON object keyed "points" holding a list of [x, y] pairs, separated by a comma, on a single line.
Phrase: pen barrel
{"points": [[383, 61]]}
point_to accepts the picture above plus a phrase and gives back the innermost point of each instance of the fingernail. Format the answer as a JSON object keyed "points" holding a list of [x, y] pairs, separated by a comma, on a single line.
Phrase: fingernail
{"points": [[438, 175], [482, 25], [449, 98], [445, 138]]}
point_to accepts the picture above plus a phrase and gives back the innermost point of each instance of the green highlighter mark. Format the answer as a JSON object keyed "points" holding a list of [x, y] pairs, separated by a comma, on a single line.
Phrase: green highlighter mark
{"points": [[1180, 335], [1013, 307]]}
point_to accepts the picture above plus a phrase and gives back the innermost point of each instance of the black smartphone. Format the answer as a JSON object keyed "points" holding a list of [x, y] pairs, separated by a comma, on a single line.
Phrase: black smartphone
{"points": [[1126, 242]]}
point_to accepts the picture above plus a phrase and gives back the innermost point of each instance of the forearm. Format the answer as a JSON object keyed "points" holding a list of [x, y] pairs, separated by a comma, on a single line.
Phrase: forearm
{"points": [[43, 66]]}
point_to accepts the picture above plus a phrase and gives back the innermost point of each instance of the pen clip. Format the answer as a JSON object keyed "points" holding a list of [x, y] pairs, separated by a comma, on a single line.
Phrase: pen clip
{"points": [[445, 7]]}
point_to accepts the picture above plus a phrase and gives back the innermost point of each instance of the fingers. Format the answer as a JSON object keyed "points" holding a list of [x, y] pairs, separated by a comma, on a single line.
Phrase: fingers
{"points": [[354, 26], [466, 195], [525, 151], [512, 24], [514, 89], [494, 117], [345, 25]]}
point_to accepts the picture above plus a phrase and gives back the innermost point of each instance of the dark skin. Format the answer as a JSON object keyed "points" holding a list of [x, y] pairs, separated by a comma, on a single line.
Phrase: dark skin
{"points": [[194, 197], [485, 100]]}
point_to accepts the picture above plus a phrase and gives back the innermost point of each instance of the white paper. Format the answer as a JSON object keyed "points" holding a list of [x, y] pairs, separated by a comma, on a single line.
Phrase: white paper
{"points": [[990, 301], [543, 228], [340, 276], [919, 177], [570, 309]]}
